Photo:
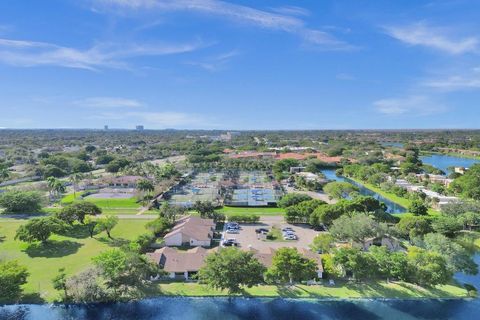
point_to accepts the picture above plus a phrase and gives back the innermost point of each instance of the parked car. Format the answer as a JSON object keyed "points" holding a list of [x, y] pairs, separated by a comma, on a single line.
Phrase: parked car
{"points": [[320, 228], [290, 237], [287, 229], [262, 230], [232, 230], [288, 233], [233, 225], [229, 242]]}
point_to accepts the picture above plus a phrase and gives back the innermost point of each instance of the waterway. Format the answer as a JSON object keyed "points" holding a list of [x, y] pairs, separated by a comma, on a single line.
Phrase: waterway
{"points": [[392, 207], [443, 162]]}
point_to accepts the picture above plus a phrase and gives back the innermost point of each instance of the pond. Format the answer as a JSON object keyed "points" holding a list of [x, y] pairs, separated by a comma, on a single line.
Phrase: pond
{"points": [[392, 144], [392, 207], [245, 308], [443, 162]]}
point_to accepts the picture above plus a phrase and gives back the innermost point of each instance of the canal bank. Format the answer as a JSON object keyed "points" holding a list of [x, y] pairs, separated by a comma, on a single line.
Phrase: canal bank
{"points": [[395, 204]]}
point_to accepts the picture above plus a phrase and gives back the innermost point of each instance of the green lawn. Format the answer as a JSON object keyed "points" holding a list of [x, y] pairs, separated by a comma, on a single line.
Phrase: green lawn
{"points": [[73, 252], [261, 211], [108, 206], [378, 289]]}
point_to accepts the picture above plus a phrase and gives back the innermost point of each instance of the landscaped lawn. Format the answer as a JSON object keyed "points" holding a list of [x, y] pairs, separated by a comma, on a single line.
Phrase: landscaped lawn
{"points": [[377, 289], [74, 252], [262, 211], [108, 206]]}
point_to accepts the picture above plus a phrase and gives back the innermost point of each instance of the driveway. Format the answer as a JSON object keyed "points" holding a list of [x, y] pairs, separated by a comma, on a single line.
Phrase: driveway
{"points": [[248, 237]]}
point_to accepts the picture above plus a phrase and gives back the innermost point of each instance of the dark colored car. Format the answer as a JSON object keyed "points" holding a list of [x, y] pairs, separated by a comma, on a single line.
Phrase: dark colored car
{"points": [[261, 230]]}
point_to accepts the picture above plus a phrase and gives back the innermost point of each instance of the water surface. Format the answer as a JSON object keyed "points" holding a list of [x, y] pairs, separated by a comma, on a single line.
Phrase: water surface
{"points": [[443, 162]]}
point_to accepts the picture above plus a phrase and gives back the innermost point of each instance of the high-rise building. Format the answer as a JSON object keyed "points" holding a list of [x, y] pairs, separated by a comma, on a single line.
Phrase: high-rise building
{"points": [[105, 127], [139, 128]]}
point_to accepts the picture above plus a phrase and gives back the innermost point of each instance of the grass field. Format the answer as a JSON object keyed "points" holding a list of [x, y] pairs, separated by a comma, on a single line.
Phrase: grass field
{"points": [[378, 289], [262, 211], [74, 252], [108, 206]]}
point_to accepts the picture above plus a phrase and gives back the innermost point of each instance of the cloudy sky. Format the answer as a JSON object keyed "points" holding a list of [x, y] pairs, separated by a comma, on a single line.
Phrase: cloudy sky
{"points": [[211, 64]]}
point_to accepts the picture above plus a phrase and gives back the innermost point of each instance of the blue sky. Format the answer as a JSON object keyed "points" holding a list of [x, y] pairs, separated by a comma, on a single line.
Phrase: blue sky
{"points": [[208, 64]]}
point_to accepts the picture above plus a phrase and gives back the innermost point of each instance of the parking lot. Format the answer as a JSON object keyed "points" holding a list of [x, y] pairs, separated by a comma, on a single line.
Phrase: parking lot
{"points": [[248, 237]]}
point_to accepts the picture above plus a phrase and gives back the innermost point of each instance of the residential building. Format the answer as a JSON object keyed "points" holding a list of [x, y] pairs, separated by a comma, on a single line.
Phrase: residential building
{"points": [[191, 231], [180, 264]]}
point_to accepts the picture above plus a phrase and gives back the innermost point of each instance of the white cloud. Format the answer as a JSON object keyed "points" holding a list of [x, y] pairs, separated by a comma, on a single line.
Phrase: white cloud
{"points": [[30, 53], [421, 34], [215, 63], [410, 106], [280, 21], [108, 102], [292, 10], [453, 82]]}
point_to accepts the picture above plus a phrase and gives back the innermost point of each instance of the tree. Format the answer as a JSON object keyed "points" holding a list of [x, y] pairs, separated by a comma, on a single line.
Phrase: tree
{"points": [[59, 282], [357, 228], [468, 185], [322, 243], [429, 268], [76, 211], [106, 224], [457, 258], [116, 165], [288, 265], [447, 225], [171, 212], [412, 227], [325, 214], [124, 269], [418, 208], [302, 211], [39, 229], [292, 199], [206, 209], [390, 264], [75, 178], [21, 201], [12, 277], [145, 185], [86, 287], [231, 269], [339, 190], [91, 224], [55, 186], [355, 263], [159, 226]]}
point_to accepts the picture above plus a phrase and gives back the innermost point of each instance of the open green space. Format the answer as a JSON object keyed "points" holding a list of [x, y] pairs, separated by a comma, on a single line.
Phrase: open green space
{"points": [[74, 252], [262, 211], [108, 206], [377, 289]]}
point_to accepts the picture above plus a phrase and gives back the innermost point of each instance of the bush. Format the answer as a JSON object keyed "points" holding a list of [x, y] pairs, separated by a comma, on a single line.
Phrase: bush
{"points": [[244, 218], [21, 201], [292, 199]]}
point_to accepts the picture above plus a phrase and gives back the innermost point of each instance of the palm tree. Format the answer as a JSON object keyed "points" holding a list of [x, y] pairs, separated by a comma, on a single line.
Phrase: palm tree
{"points": [[74, 179]]}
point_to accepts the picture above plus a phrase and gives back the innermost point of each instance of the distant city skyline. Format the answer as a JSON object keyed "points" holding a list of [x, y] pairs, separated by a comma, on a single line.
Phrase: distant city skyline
{"points": [[240, 65]]}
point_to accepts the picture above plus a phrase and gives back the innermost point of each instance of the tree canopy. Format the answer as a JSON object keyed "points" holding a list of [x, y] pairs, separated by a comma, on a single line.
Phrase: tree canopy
{"points": [[231, 269]]}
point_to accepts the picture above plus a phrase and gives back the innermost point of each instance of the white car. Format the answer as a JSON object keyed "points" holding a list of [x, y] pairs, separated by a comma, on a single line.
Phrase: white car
{"points": [[290, 237], [232, 231]]}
